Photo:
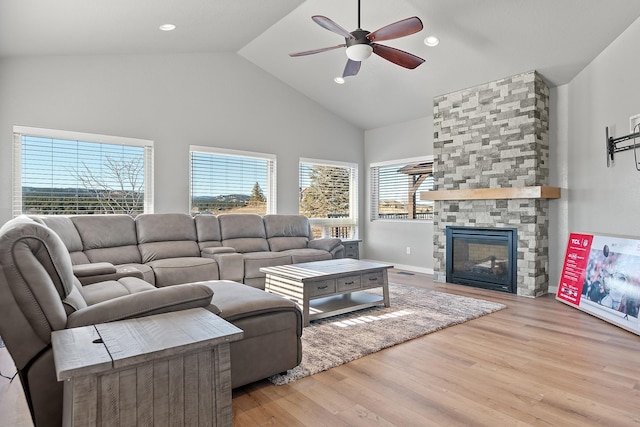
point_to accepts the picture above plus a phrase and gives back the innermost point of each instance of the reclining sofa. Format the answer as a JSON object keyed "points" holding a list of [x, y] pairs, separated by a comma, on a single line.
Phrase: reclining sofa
{"points": [[173, 248], [120, 260]]}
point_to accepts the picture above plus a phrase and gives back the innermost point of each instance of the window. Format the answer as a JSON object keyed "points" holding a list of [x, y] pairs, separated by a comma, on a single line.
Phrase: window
{"points": [[61, 172], [329, 197], [396, 188], [231, 181]]}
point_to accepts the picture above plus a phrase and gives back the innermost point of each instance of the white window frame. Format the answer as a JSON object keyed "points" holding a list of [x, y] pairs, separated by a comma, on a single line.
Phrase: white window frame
{"points": [[327, 223], [373, 206], [20, 131], [271, 170]]}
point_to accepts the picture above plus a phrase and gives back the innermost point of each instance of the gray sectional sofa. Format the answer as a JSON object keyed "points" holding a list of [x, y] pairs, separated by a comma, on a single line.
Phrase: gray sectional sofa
{"points": [[60, 272], [168, 249]]}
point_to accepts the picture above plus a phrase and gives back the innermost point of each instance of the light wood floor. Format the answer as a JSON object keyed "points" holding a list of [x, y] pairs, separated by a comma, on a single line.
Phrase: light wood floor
{"points": [[538, 362]]}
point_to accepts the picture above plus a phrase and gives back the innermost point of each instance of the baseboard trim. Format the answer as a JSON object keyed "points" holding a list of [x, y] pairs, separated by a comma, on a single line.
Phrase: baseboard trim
{"points": [[412, 268]]}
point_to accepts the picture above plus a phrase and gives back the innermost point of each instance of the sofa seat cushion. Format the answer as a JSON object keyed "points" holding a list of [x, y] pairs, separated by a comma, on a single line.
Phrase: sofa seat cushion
{"points": [[237, 301], [307, 255], [172, 271], [254, 261], [110, 289]]}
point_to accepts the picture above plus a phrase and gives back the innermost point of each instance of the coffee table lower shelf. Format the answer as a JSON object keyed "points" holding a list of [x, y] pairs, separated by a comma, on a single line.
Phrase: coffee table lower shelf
{"points": [[340, 304]]}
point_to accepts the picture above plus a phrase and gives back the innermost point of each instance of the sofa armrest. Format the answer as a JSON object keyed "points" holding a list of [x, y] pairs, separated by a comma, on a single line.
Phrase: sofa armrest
{"points": [[327, 243], [103, 272], [94, 269], [230, 266], [214, 250], [155, 301]]}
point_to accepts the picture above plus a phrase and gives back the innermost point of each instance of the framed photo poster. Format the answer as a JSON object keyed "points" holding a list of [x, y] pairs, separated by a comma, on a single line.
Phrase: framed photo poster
{"points": [[601, 276]]}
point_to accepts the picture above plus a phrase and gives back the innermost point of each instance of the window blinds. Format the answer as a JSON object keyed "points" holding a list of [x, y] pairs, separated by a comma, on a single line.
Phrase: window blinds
{"points": [[396, 188], [58, 175], [229, 181]]}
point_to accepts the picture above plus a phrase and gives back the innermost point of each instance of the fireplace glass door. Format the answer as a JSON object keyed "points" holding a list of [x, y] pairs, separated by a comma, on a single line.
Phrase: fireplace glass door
{"points": [[482, 257]]}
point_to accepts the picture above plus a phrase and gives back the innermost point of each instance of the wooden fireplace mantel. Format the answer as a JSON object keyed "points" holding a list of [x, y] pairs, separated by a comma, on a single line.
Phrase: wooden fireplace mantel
{"points": [[538, 192]]}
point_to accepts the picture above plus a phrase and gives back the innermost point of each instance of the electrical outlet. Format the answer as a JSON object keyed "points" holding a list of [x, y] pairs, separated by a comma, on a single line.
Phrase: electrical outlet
{"points": [[408, 250]]}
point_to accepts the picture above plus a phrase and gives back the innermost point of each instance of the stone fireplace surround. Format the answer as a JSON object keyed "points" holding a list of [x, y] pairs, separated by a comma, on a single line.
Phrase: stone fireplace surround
{"points": [[495, 136]]}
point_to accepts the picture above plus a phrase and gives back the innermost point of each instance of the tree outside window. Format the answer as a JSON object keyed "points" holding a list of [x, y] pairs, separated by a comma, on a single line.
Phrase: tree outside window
{"points": [[328, 197]]}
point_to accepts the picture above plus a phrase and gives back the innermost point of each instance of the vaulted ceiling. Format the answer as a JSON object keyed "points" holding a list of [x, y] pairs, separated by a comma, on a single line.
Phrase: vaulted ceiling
{"points": [[480, 41]]}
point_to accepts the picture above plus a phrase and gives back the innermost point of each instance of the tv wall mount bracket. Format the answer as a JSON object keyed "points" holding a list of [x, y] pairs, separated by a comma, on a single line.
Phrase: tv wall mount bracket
{"points": [[623, 143]]}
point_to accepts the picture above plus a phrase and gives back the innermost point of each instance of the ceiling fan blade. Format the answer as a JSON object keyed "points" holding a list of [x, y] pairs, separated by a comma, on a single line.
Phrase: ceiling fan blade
{"points": [[396, 30], [352, 68], [328, 24], [397, 56], [311, 52]]}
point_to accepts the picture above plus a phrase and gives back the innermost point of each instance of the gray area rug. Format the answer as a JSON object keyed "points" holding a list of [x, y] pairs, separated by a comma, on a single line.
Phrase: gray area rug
{"points": [[414, 312]]}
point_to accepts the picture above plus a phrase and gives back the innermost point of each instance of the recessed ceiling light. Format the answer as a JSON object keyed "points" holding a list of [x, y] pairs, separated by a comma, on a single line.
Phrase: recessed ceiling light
{"points": [[167, 27], [339, 80], [431, 41]]}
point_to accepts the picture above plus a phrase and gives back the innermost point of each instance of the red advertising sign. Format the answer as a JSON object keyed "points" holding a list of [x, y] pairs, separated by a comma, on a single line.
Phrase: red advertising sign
{"points": [[575, 267]]}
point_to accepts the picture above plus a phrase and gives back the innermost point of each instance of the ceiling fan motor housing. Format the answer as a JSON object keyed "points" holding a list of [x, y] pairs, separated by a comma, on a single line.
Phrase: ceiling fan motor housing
{"points": [[360, 37]]}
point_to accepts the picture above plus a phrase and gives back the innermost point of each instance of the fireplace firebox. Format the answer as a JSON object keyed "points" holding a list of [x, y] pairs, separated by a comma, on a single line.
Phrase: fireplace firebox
{"points": [[482, 257]]}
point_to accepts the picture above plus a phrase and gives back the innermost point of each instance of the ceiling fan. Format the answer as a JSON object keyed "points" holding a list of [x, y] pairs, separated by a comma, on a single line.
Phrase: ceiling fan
{"points": [[361, 43]]}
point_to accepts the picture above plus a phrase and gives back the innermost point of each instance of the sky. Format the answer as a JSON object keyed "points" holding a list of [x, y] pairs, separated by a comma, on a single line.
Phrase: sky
{"points": [[56, 163]]}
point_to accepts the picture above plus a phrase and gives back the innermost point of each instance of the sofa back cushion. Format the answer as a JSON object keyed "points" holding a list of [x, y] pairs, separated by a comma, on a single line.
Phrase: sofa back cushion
{"points": [[66, 230], [171, 235], [287, 231], [108, 238], [243, 232], [208, 230]]}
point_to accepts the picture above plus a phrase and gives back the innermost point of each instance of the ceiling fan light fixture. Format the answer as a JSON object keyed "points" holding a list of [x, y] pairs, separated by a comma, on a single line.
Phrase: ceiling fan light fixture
{"points": [[339, 80], [359, 52]]}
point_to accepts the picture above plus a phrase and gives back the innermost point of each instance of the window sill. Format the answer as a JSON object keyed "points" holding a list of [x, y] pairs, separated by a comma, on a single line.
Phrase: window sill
{"points": [[404, 221]]}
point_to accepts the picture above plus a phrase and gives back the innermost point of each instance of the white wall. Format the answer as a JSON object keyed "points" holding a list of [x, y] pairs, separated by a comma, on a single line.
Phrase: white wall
{"points": [[558, 177], [606, 93], [388, 240], [218, 100]]}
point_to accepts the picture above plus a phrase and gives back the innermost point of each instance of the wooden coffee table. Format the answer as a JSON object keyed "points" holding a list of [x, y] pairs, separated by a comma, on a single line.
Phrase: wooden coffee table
{"points": [[328, 288]]}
